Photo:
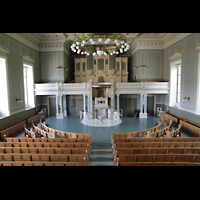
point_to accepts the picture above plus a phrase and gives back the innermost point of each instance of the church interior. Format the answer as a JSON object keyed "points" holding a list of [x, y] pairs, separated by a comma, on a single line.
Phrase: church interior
{"points": [[100, 99]]}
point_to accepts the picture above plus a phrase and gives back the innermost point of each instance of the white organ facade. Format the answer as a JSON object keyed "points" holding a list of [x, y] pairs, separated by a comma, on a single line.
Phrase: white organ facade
{"points": [[101, 69]]}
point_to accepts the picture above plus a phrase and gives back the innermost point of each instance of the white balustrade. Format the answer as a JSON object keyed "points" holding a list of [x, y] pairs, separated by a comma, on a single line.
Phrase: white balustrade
{"points": [[81, 88]]}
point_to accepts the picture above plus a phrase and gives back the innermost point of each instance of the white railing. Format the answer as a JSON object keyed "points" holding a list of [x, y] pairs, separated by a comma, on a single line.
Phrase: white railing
{"points": [[74, 85], [49, 86], [136, 87], [147, 85], [128, 85]]}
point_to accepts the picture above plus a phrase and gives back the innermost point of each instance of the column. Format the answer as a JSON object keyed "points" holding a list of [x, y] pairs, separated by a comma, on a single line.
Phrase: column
{"points": [[88, 103], [141, 103], [57, 111], [64, 106], [118, 103], [145, 103], [84, 106], [61, 105]]}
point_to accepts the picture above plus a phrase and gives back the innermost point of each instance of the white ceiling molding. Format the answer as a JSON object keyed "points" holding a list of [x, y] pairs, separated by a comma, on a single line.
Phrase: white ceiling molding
{"points": [[160, 43], [173, 38], [25, 39]]}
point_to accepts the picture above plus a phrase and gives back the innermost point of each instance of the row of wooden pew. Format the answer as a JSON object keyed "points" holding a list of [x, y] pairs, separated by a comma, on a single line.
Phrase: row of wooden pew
{"points": [[160, 126], [156, 151], [189, 126], [45, 152], [47, 132], [63, 133], [17, 127], [157, 131], [166, 132]]}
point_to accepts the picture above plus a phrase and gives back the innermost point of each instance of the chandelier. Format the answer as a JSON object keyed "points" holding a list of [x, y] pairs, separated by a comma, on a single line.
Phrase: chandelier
{"points": [[100, 43]]}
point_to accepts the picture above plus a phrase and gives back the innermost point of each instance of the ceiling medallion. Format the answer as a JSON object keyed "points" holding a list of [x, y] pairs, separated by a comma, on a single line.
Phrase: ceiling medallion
{"points": [[100, 43]]}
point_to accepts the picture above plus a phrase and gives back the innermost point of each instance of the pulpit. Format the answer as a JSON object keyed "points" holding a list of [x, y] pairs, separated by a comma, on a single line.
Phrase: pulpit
{"points": [[101, 105]]}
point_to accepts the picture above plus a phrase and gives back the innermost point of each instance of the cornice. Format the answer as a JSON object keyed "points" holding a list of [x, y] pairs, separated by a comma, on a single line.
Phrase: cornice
{"points": [[55, 46], [157, 43], [25, 39], [173, 38]]}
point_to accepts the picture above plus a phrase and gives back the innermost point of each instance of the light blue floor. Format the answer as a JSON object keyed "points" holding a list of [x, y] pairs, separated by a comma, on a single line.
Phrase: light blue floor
{"points": [[102, 134]]}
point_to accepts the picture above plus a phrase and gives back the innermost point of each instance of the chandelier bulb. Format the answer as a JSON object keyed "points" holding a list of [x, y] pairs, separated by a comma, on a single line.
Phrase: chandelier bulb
{"points": [[108, 40]]}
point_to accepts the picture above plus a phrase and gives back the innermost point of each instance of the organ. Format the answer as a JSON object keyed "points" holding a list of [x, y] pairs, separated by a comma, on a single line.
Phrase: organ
{"points": [[101, 69]]}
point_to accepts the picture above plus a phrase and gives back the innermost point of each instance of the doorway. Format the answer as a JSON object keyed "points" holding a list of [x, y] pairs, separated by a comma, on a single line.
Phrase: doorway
{"points": [[150, 105], [52, 106]]}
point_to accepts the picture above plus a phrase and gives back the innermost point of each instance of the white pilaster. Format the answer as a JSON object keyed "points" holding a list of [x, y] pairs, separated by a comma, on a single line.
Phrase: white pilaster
{"points": [[118, 103], [145, 103], [84, 106], [141, 103], [57, 109]]}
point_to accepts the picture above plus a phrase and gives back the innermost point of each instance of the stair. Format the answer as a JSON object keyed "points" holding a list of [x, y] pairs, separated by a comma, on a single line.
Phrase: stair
{"points": [[101, 155]]}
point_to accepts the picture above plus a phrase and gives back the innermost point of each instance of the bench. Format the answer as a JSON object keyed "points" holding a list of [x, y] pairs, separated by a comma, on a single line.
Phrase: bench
{"points": [[156, 145], [43, 158], [12, 130], [33, 119], [189, 158], [47, 144], [48, 140], [178, 139], [155, 151], [21, 163], [156, 164]]}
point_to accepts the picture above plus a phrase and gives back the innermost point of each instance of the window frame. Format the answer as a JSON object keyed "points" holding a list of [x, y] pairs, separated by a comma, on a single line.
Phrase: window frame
{"points": [[28, 63], [3, 54]]}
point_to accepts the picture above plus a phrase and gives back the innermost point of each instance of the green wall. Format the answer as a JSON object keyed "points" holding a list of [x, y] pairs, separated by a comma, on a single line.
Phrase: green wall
{"points": [[15, 74]]}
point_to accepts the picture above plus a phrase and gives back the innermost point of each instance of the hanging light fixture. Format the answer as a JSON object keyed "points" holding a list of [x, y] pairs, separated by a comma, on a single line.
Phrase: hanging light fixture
{"points": [[100, 43]]}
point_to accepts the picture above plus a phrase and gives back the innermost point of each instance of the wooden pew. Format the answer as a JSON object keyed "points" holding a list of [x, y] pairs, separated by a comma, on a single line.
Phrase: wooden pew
{"points": [[46, 144], [42, 150], [33, 119], [178, 139], [21, 163], [191, 128], [12, 130], [156, 151], [152, 158], [48, 140], [43, 158], [156, 164]]}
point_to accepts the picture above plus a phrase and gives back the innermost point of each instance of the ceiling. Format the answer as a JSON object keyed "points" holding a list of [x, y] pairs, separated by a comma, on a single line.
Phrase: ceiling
{"points": [[50, 37]]}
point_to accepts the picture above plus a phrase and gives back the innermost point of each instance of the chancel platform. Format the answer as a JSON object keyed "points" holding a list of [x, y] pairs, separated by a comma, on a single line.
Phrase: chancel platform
{"points": [[97, 122]]}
